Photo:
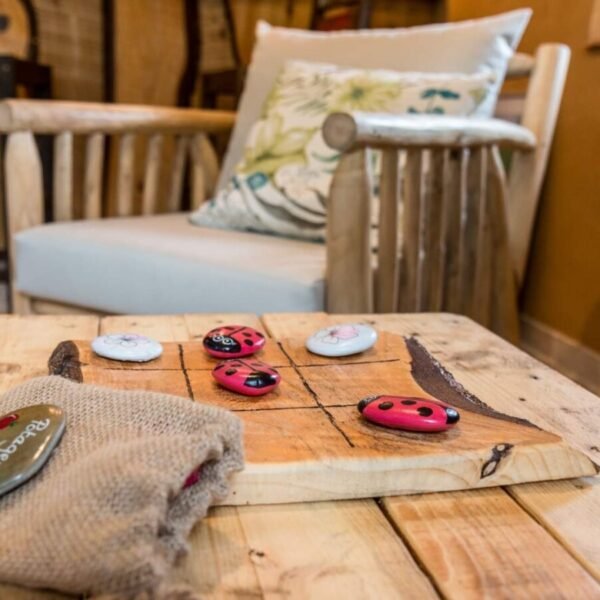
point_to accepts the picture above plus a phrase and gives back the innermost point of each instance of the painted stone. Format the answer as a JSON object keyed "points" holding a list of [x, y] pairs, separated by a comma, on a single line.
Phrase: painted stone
{"points": [[408, 413], [130, 347], [233, 341], [342, 340], [27, 438], [249, 377]]}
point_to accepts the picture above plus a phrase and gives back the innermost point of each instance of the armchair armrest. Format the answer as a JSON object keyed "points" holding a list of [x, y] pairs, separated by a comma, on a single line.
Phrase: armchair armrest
{"points": [[347, 131], [50, 117]]}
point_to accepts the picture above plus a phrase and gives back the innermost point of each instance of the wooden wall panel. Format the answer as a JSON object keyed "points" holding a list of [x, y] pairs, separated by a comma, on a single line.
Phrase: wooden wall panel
{"points": [[562, 287], [71, 41], [149, 50], [15, 39]]}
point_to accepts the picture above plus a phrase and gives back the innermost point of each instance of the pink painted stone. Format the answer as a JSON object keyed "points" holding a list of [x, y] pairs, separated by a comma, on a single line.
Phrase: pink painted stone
{"points": [[249, 376], [408, 413], [233, 341]]}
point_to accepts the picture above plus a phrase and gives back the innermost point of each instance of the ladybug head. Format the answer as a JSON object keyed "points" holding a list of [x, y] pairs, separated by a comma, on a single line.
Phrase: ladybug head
{"points": [[221, 343], [452, 416], [366, 401]]}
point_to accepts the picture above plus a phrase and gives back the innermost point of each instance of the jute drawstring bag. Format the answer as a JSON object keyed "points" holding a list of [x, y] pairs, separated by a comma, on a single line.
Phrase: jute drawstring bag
{"points": [[109, 514]]}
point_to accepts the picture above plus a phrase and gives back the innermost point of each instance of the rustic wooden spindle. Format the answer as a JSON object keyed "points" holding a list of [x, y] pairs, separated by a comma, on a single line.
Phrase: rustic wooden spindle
{"points": [[152, 174], [199, 175], [125, 175], [482, 289], [177, 174], [386, 294], [504, 309], [63, 176], [23, 176], [349, 269], [411, 217], [454, 201], [476, 183], [431, 256], [93, 176]]}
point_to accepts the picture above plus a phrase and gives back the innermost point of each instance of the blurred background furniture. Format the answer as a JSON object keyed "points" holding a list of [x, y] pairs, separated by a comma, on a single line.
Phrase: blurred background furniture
{"points": [[161, 264], [21, 75], [328, 15]]}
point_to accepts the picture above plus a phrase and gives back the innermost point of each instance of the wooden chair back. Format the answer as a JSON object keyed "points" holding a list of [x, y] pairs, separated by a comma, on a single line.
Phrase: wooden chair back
{"points": [[90, 126], [94, 124], [466, 227]]}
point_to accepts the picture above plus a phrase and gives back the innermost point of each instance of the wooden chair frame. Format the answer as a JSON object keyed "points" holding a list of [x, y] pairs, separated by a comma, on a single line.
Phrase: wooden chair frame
{"points": [[466, 225]]}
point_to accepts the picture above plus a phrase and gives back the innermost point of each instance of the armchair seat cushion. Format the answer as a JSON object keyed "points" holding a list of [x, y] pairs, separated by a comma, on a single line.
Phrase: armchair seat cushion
{"points": [[163, 264]]}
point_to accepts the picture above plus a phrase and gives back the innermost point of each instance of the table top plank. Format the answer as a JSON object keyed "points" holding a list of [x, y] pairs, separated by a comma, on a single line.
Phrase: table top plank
{"points": [[220, 563], [480, 543], [199, 324], [570, 510], [344, 549], [165, 328], [24, 343]]}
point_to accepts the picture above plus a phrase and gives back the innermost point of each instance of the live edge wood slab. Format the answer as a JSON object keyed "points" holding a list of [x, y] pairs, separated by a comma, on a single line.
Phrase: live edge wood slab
{"points": [[307, 441]]}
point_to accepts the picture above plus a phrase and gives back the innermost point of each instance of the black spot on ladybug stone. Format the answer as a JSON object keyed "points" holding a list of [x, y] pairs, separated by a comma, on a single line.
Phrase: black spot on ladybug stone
{"points": [[233, 341], [28, 437]]}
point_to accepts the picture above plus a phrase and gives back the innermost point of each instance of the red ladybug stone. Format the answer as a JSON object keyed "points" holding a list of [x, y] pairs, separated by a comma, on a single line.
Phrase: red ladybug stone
{"points": [[249, 377], [408, 413], [233, 341]]}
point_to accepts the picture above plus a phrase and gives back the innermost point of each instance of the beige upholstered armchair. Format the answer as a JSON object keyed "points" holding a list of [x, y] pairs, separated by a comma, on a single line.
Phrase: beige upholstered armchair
{"points": [[466, 224]]}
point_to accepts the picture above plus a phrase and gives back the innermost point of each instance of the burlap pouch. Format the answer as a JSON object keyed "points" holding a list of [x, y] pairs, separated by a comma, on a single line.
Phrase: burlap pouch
{"points": [[108, 514]]}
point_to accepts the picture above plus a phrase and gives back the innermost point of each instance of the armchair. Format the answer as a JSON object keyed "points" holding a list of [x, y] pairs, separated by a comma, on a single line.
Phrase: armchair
{"points": [[466, 226]]}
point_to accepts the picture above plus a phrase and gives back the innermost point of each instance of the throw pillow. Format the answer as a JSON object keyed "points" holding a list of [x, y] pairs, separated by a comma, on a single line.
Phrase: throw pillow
{"points": [[462, 47], [282, 182]]}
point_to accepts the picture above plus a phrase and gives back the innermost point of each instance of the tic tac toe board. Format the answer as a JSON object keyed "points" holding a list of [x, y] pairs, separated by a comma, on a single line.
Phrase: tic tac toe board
{"points": [[307, 441]]}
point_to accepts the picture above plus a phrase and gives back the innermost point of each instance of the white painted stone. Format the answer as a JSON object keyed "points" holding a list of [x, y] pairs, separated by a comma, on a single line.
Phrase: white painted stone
{"points": [[342, 340], [127, 346]]}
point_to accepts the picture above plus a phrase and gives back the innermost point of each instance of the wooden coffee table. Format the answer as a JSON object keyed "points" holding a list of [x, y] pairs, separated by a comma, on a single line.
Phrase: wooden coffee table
{"points": [[520, 541]]}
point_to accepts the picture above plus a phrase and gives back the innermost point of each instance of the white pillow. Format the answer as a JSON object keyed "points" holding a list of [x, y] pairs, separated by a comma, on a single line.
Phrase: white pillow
{"points": [[463, 47], [282, 183]]}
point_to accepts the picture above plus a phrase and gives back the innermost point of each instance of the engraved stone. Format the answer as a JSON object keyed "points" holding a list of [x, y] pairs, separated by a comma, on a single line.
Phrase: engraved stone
{"points": [[342, 340], [27, 438], [130, 347]]}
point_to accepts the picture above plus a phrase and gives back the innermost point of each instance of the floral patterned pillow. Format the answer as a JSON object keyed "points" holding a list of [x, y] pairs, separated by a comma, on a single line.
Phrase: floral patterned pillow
{"points": [[282, 183]]}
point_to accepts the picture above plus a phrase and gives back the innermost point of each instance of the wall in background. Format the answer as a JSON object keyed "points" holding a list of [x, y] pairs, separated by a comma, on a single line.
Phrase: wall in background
{"points": [[562, 287], [297, 13], [70, 40]]}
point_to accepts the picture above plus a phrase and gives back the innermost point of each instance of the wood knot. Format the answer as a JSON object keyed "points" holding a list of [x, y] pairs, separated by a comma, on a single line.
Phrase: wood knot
{"points": [[499, 451], [64, 361]]}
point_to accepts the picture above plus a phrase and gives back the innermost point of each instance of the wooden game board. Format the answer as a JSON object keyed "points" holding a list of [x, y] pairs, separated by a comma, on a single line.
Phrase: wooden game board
{"points": [[307, 441]]}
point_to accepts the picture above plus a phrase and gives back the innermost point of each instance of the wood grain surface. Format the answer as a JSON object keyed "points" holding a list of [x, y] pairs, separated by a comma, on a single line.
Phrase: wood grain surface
{"points": [[306, 441], [303, 550]]}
